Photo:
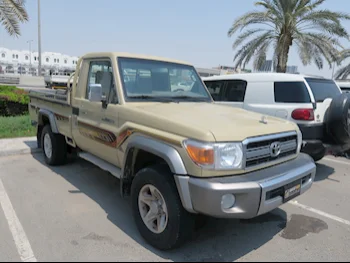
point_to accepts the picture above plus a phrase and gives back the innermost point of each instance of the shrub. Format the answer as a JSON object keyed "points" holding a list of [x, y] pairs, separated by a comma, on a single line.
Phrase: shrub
{"points": [[13, 101]]}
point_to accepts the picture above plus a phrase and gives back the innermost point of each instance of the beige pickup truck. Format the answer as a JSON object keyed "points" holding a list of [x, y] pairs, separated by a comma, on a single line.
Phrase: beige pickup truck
{"points": [[176, 152]]}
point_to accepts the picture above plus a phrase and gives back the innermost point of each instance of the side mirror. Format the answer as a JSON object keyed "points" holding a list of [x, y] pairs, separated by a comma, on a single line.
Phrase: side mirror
{"points": [[104, 101]]}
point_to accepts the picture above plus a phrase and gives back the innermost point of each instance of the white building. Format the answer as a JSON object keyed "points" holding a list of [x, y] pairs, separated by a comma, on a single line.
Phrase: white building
{"points": [[24, 62]]}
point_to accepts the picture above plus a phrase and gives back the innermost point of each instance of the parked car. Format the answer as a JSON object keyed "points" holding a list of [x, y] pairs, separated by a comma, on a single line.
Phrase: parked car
{"points": [[177, 153], [344, 86], [315, 104]]}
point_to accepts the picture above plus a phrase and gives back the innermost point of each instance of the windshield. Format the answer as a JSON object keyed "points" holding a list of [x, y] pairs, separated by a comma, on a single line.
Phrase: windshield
{"points": [[160, 81], [323, 89]]}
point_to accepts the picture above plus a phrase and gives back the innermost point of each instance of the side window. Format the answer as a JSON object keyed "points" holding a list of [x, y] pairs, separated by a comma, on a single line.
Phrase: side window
{"points": [[235, 91], [291, 92], [101, 82], [215, 88]]}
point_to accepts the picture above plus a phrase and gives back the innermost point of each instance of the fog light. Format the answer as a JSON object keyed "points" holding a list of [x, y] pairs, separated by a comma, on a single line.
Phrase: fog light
{"points": [[228, 201]]}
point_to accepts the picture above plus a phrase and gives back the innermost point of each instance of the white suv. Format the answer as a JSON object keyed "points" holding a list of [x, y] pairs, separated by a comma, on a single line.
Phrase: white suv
{"points": [[316, 104]]}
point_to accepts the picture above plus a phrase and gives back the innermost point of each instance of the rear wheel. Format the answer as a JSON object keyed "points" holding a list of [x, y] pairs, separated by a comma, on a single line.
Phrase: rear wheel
{"points": [[157, 209], [338, 120], [54, 147]]}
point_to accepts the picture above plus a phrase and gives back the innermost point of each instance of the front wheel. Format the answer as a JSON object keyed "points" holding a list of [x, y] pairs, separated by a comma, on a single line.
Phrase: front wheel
{"points": [[157, 209]]}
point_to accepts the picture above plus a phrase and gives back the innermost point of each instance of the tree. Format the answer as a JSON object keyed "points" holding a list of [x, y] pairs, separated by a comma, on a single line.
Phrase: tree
{"points": [[343, 72], [12, 13], [281, 24]]}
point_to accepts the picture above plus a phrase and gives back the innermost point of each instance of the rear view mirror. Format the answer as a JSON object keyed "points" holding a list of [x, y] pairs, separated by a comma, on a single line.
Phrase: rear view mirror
{"points": [[95, 93]]}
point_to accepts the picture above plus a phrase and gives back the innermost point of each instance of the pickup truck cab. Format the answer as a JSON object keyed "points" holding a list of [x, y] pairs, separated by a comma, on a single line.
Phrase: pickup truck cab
{"points": [[176, 152]]}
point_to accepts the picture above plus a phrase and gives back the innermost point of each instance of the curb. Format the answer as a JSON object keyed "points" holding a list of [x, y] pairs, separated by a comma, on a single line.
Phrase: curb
{"points": [[19, 152], [18, 146]]}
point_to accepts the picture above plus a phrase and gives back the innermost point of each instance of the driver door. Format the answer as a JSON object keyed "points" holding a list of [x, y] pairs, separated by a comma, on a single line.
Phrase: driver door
{"points": [[96, 127]]}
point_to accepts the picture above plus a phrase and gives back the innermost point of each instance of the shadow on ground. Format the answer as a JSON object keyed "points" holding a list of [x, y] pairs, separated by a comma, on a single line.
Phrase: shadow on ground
{"points": [[217, 240], [324, 172]]}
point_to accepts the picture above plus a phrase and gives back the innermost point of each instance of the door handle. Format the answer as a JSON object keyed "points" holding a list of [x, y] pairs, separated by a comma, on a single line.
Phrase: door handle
{"points": [[107, 120]]}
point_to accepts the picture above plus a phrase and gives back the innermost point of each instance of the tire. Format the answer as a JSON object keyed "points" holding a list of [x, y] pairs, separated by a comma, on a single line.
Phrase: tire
{"points": [[58, 154], [180, 223], [338, 121], [317, 157]]}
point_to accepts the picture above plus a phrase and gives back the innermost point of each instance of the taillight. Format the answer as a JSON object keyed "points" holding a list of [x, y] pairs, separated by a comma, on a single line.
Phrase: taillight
{"points": [[303, 115]]}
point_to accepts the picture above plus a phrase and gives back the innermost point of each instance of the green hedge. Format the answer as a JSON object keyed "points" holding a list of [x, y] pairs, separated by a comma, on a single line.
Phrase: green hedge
{"points": [[13, 101]]}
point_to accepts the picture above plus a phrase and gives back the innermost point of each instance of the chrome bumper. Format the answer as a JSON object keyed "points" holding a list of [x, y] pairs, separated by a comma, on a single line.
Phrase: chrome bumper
{"points": [[256, 193]]}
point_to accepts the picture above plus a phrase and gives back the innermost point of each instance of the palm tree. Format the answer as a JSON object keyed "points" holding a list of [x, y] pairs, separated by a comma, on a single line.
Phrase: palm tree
{"points": [[12, 12], [281, 24], [343, 72]]}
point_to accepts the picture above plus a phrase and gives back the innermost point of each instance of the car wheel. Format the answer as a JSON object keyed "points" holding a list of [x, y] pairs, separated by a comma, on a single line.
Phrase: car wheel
{"points": [[338, 121], [157, 209], [54, 147], [317, 157]]}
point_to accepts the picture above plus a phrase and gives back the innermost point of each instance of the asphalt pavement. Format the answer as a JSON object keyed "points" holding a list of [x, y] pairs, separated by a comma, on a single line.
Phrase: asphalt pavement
{"points": [[74, 212]]}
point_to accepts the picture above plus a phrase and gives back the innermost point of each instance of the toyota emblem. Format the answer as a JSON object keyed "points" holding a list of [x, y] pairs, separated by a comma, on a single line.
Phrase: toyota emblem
{"points": [[275, 149]]}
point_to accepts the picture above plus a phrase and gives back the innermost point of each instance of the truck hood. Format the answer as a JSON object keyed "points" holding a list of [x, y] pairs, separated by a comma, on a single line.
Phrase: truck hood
{"points": [[225, 123]]}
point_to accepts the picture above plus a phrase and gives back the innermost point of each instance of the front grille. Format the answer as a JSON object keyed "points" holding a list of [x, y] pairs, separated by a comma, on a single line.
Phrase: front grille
{"points": [[258, 152]]}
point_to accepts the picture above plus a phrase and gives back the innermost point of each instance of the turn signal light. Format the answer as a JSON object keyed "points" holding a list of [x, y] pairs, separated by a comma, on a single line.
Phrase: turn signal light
{"points": [[303, 115], [200, 155]]}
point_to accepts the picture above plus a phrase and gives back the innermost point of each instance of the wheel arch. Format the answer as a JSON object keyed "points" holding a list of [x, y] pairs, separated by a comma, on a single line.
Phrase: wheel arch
{"points": [[45, 117], [152, 151]]}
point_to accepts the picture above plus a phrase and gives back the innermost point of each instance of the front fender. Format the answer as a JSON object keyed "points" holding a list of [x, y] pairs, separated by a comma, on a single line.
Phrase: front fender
{"points": [[163, 150]]}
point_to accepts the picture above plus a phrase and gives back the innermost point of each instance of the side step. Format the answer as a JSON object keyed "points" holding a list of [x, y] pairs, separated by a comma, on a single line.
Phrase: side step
{"points": [[117, 172]]}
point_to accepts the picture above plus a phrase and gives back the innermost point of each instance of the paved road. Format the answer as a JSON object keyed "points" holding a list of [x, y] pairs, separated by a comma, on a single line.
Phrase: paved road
{"points": [[75, 213]]}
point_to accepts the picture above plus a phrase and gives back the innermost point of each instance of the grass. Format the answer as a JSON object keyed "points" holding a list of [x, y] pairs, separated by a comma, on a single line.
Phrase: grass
{"points": [[19, 126]]}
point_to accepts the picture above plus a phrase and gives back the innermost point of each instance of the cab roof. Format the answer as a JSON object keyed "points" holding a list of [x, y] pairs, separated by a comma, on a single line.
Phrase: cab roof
{"points": [[131, 55]]}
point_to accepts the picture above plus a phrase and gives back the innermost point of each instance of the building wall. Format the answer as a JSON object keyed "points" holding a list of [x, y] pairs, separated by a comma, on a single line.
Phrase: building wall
{"points": [[20, 62]]}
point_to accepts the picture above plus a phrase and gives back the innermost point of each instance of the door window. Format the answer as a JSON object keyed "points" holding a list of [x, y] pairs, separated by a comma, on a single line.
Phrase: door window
{"points": [[291, 92], [323, 88], [215, 88], [101, 82], [235, 91]]}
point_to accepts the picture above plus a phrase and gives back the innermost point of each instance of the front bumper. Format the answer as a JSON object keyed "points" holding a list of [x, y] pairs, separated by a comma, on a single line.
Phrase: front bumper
{"points": [[256, 193]]}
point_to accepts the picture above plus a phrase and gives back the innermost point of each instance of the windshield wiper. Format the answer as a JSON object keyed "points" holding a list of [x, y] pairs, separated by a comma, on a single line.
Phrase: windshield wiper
{"points": [[168, 99], [161, 99], [189, 98]]}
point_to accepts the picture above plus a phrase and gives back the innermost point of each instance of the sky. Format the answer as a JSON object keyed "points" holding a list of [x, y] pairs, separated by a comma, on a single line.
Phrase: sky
{"points": [[190, 30]]}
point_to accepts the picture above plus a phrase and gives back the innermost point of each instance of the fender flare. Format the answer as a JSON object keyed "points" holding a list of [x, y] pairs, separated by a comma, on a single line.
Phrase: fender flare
{"points": [[50, 116], [158, 148]]}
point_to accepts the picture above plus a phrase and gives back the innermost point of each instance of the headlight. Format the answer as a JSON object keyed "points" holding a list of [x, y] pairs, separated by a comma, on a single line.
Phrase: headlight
{"points": [[300, 140], [217, 156]]}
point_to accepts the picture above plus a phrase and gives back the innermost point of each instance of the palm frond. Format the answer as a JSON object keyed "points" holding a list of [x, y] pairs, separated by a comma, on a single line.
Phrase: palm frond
{"points": [[344, 54], [343, 73], [324, 45], [12, 12], [244, 55], [244, 36], [250, 19], [17, 7]]}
